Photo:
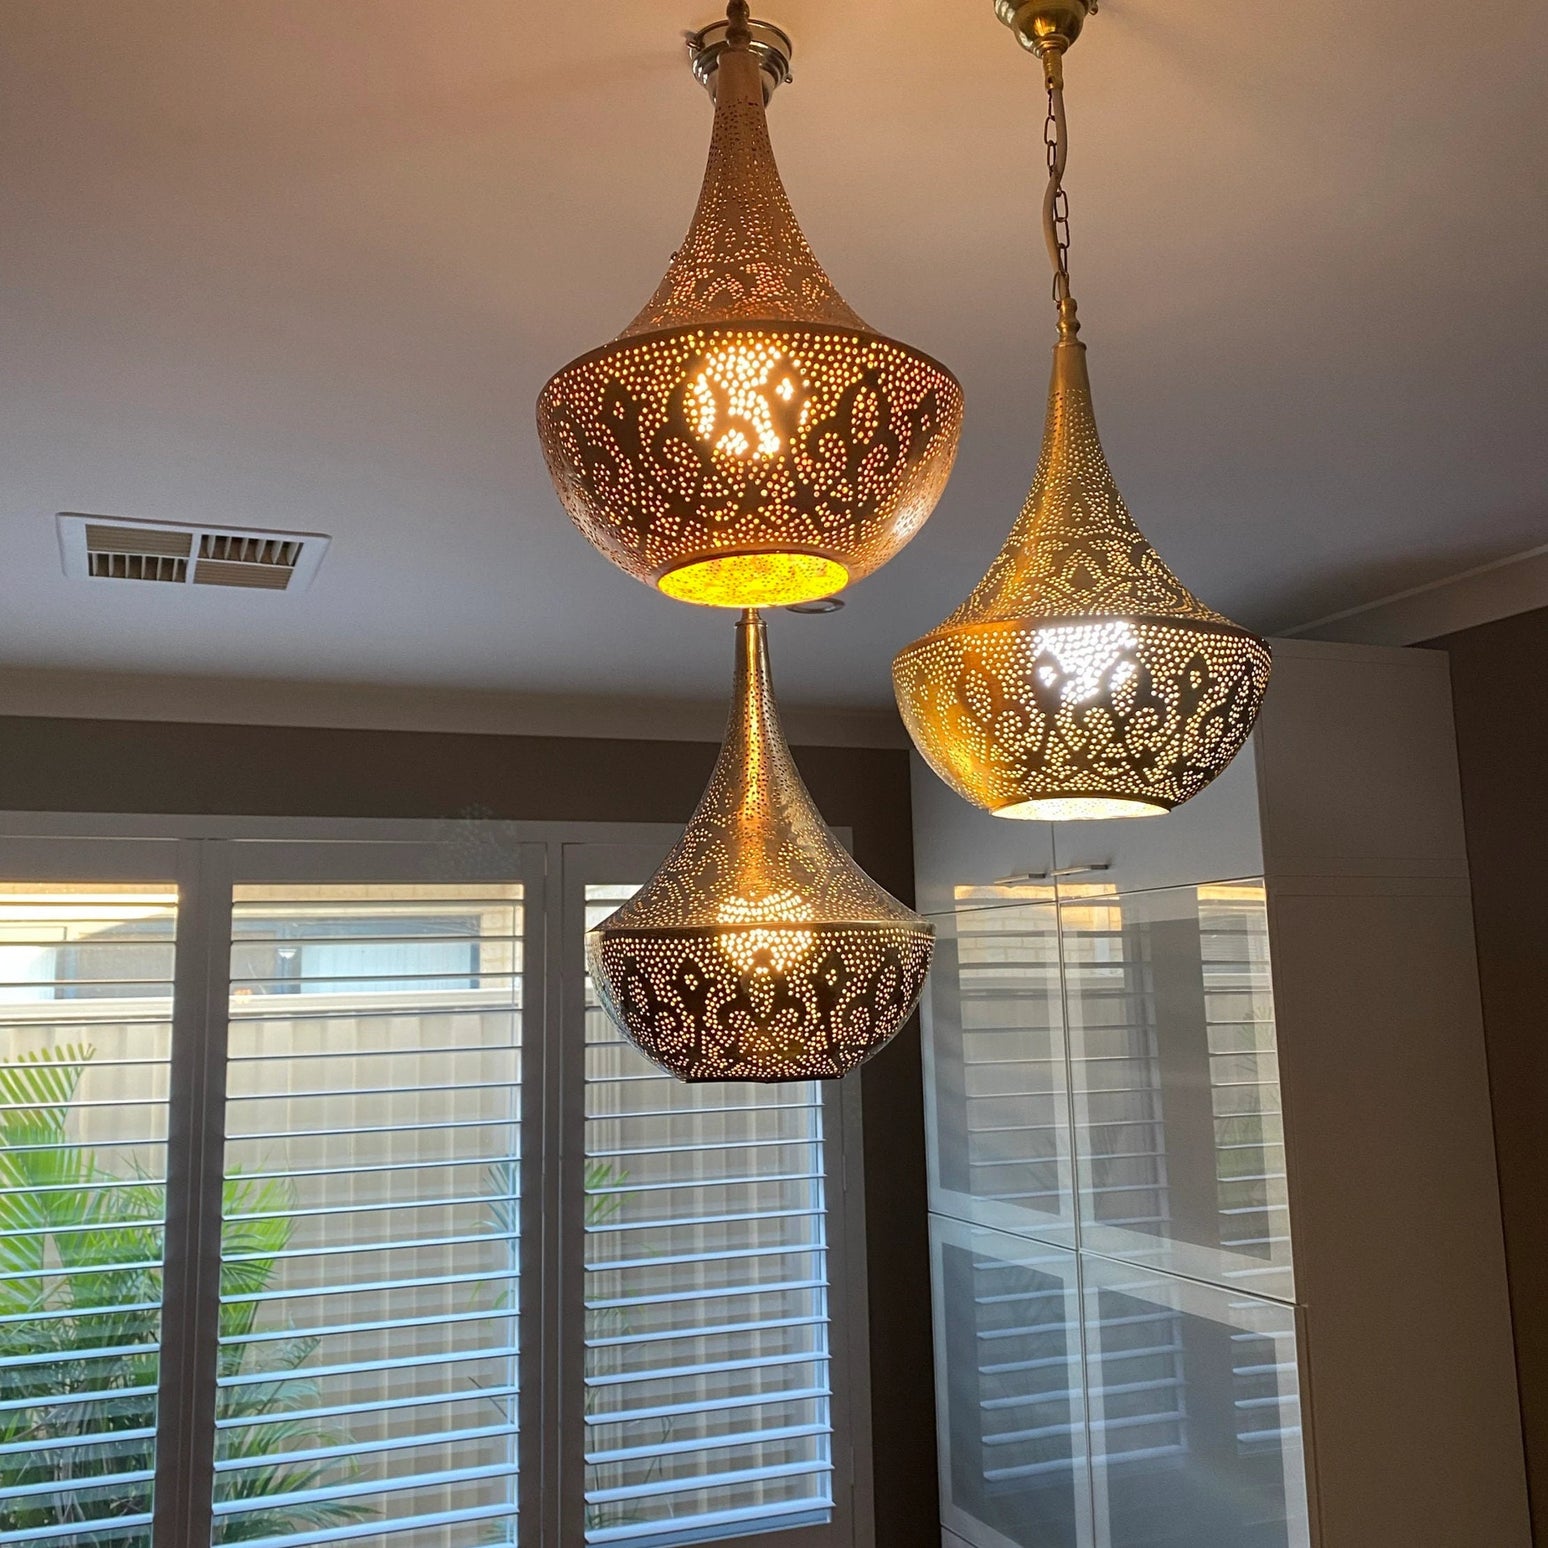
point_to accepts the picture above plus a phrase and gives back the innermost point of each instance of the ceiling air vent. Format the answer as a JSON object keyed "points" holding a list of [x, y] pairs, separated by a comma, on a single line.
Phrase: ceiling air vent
{"points": [[126, 548]]}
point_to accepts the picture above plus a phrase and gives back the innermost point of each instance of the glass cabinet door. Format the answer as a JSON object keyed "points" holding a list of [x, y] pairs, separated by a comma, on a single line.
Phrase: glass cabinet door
{"points": [[1115, 1336], [996, 1071], [1179, 1140], [1008, 1382], [1194, 1412]]}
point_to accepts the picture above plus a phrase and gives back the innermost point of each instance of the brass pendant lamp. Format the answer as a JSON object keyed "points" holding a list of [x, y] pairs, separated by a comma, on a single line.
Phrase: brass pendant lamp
{"points": [[1081, 679], [759, 951], [747, 440]]}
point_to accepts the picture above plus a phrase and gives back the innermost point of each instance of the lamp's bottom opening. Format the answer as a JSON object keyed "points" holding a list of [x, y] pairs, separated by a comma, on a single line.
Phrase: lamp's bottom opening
{"points": [[1079, 809], [755, 580]]}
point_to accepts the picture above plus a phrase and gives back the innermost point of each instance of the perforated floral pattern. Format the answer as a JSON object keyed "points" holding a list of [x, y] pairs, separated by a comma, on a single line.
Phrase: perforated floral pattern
{"points": [[1080, 669], [759, 950], [745, 258], [747, 410]]}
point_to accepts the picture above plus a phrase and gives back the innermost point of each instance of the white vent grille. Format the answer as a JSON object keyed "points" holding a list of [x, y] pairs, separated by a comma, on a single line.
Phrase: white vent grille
{"points": [[129, 549], [152, 567]]}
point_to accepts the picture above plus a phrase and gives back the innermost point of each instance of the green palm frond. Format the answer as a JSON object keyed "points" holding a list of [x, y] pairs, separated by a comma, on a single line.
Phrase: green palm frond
{"points": [[38, 1088], [87, 1243]]}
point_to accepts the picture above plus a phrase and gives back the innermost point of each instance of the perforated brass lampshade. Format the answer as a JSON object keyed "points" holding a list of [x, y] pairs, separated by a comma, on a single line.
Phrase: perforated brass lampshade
{"points": [[747, 440], [1081, 678], [759, 951]]}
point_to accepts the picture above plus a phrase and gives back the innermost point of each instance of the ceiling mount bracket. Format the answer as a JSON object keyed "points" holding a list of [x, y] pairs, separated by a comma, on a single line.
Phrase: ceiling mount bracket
{"points": [[771, 47], [1045, 26]]}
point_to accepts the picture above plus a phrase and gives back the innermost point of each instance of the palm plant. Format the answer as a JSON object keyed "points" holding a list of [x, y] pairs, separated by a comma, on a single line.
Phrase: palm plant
{"points": [[80, 1311]]}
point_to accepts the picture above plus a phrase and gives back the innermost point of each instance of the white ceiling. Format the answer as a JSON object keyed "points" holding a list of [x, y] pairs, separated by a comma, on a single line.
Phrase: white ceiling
{"points": [[306, 263]]}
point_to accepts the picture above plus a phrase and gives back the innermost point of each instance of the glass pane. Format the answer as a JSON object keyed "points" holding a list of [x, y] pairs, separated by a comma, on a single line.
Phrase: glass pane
{"points": [[85, 1042], [995, 1063], [1195, 1414], [1179, 1137], [707, 1377], [368, 1351], [1008, 1382]]}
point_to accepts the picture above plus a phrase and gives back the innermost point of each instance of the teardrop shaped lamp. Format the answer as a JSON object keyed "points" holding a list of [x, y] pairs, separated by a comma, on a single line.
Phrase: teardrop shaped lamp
{"points": [[759, 951], [747, 440], [1081, 678]]}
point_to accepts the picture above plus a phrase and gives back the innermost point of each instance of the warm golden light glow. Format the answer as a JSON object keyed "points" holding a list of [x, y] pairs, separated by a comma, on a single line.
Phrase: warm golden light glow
{"points": [[1081, 679], [761, 940], [1078, 809], [748, 400], [748, 417], [759, 950], [755, 580]]}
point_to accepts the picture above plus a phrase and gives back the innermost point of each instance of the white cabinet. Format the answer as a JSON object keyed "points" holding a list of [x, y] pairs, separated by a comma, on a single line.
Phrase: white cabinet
{"points": [[1011, 1406], [997, 1071], [1195, 1413], [1209, 1130], [1178, 1122]]}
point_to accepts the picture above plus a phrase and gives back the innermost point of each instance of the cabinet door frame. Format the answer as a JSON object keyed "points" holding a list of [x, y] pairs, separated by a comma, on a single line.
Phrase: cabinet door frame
{"points": [[38, 857], [947, 1231]]}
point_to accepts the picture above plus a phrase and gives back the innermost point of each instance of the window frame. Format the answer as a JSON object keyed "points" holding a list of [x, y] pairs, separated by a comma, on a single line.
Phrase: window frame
{"points": [[601, 861], [32, 857], [207, 857]]}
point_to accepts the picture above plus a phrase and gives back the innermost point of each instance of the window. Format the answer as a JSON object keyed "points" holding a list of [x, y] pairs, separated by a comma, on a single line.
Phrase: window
{"points": [[86, 1001], [444, 1261], [370, 1240], [707, 1384]]}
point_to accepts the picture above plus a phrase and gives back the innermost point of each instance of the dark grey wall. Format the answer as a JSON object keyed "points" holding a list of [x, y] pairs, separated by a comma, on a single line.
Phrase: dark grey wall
{"points": [[1500, 691], [152, 766]]}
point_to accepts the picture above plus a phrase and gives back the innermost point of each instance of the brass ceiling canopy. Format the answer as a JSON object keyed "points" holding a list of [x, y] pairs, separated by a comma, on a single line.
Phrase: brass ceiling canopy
{"points": [[768, 44], [748, 440], [759, 951], [1081, 678], [1045, 26]]}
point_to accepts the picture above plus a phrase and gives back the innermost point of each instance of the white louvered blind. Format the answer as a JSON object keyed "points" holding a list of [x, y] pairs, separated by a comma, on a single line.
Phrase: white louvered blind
{"points": [[1250, 1155], [85, 1042], [368, 1350], [708, 1399], [1013, 1068], [1119, 1110], [1251, 1181], [1116, 1068]]}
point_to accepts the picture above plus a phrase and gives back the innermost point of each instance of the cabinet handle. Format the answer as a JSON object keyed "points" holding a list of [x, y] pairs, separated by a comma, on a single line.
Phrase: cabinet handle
{"points": [[1063, 870]]}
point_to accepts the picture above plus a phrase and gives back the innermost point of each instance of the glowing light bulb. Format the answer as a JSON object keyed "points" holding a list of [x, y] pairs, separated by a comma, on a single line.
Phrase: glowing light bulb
{"points": [[763, 950], [745, 401], [1079, 661], [748, 440], [759, 950]]}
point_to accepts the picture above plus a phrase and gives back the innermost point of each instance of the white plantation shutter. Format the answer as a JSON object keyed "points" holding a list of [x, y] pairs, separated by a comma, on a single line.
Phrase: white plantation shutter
{"points": [[1015, 1146], [709, 1399], [333, 1210], [368, 1353], [1115, 1063], [1251, 1181], [85, 1044]]}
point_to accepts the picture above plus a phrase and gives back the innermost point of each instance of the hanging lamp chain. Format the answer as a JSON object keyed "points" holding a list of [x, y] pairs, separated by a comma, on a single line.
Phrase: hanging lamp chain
{"points": [[1056, 202]]}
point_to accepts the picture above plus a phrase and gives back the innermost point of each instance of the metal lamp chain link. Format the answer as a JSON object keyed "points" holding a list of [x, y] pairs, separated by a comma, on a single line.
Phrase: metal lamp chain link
{"points": [[1057, 204]]}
